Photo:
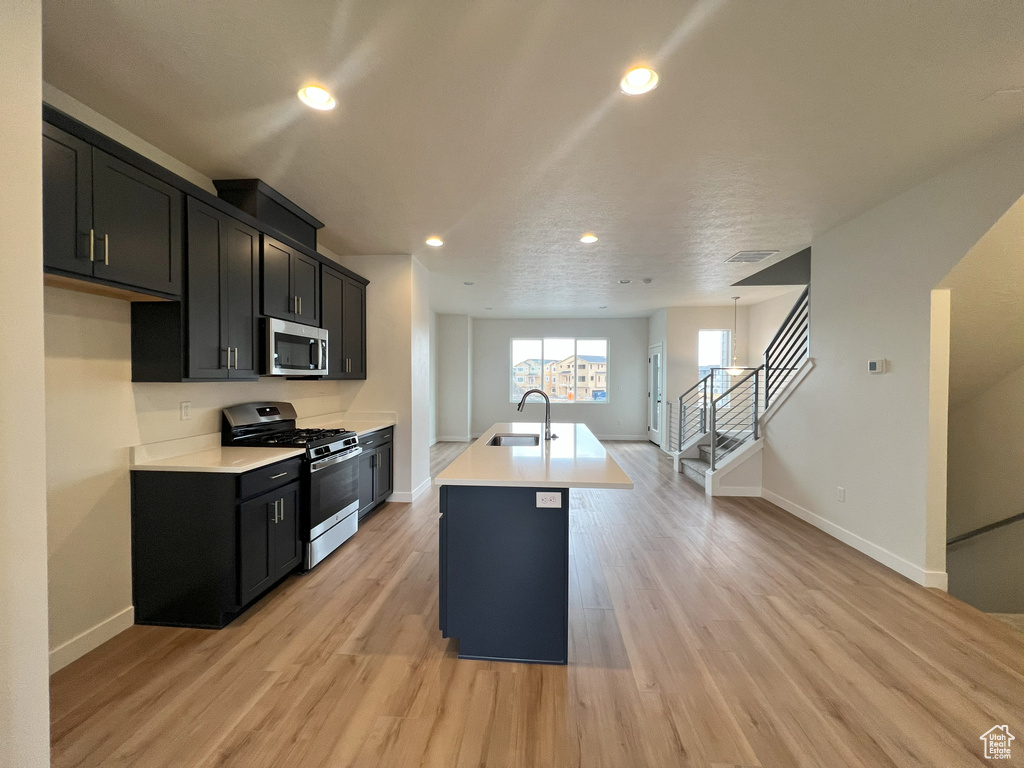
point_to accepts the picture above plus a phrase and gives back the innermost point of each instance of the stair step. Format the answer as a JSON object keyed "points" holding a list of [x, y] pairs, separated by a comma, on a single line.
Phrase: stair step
{"points": [[695, 469]]}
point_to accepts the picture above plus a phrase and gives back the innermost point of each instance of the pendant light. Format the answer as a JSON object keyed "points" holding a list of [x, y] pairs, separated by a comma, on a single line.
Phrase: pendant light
{"points": [[735, 370]]}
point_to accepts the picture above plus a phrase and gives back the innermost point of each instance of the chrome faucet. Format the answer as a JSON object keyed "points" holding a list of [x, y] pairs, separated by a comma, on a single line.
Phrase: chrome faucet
{"points": [[547, 411]]}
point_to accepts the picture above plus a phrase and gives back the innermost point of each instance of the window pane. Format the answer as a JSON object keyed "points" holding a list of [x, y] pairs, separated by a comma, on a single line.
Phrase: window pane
{"points": [[527, 368], [713, 349], [560, 356], [592, 370]]}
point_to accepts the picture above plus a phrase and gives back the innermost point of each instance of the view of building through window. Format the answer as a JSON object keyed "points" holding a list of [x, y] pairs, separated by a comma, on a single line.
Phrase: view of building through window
{"points": [[713, 351], [568, 370]]}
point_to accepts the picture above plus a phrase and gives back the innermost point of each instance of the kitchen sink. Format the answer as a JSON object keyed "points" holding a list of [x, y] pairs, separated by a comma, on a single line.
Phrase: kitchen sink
{"points": [[514, 439]]}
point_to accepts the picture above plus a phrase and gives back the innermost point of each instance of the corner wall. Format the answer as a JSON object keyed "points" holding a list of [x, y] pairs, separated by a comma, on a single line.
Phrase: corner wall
{"points": [[24, 685], [454, 377], [870, 298]]}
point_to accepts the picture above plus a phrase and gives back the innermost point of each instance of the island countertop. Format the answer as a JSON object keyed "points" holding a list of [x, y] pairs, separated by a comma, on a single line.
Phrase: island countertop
{"points": [[575, 459]]}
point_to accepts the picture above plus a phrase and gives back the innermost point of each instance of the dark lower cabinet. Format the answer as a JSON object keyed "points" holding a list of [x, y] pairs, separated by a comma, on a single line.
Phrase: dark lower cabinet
{"points": [[106, 220], [504, 573], [206, 545], [269, 547], [376, 469], [343, 314]]}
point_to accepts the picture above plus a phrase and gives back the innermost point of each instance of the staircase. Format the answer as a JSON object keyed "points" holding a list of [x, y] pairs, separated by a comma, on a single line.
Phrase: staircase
{"points": [[715, 426]]}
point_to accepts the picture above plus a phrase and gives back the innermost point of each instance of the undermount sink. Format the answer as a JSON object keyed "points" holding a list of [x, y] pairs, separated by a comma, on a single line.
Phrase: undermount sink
{"points": [[514, 439]]}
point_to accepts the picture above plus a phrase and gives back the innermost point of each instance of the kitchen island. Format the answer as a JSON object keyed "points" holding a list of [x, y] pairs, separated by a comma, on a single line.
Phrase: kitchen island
{"points": [[504, 539]]}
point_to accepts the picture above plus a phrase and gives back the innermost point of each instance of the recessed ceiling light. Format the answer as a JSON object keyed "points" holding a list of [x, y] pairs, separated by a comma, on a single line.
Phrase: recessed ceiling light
{"points": [[603, 306], [625, 282], [435, 242], [469, 283], [317, 97], [488, 308], [639, 80], [647, 281], [588, 238]]}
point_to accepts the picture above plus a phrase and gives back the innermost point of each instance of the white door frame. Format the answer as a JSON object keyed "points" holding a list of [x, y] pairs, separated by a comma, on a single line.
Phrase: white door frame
{"points": [[656, 395]]}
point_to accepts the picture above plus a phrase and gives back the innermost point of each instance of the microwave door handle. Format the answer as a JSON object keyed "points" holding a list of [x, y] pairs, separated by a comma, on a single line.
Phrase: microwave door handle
{"points": [[323, 355]]}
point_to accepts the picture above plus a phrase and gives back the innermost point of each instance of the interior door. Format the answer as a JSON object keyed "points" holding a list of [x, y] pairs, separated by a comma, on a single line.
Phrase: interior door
{"points": [[655, 379]]}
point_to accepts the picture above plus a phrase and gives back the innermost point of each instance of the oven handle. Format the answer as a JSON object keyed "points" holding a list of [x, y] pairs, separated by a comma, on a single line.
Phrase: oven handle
{"points": [[316, 466]]}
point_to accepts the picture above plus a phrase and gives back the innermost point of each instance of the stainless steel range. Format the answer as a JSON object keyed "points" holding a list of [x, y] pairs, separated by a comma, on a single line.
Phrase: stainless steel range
{"points": [[330, 478]]}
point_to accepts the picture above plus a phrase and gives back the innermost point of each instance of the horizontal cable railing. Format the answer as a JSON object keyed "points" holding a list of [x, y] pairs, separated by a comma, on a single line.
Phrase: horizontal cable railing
{"points": [[789, 348], [985, 529], [689, 416], [734, 413]]}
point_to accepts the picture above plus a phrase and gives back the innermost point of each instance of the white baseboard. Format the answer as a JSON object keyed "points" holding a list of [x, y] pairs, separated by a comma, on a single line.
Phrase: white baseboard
{"points": [[78, 646], [935, 579], [452, 439], [409, 498]]}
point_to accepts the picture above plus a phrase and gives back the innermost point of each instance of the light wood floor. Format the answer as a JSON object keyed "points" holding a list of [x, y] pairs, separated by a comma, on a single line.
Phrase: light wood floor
{"points": [[703, 633]]}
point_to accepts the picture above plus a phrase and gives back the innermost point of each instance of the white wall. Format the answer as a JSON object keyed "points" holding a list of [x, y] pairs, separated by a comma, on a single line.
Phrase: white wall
{"points": [[433, 377], [763, 321], [420, 378], [624, 416], [454, 377], [871, 297], [682, 325], [24, 690]]}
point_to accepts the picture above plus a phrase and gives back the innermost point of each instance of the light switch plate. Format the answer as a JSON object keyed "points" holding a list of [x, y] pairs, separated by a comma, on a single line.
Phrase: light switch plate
{"points": [[549, 500], [840, 493]]}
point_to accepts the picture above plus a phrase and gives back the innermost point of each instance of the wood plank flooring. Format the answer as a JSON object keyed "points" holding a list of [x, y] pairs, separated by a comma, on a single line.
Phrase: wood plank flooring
{"points": [[704, 633]]}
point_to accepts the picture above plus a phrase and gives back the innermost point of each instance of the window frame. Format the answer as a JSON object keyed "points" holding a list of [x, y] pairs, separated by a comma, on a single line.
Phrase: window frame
{"points": [[547, 386]]}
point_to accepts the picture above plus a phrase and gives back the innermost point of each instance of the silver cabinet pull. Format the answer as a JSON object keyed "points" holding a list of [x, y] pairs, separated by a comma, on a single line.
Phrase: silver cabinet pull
{"points": [[274, 477], [92, 245], [106, 250], [300, 305], [236, 358], [228, 350]]}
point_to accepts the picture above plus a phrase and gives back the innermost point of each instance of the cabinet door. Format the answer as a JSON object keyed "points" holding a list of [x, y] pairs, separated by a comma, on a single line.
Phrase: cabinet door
{"points": [[256, 519], [67, 201], [354, 329], [382, 473], [306, 285], [366, 484], [332, 286], [287, 547], [278, 299], [241, 254], [206, 293], [137, 219]]}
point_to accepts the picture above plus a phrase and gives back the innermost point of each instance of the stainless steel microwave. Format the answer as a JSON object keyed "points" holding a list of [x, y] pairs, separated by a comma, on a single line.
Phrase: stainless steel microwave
{"points": [[294, 349]]}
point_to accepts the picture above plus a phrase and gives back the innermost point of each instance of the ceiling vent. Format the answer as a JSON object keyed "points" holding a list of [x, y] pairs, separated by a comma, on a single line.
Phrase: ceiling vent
{"points": [[749, 257]]}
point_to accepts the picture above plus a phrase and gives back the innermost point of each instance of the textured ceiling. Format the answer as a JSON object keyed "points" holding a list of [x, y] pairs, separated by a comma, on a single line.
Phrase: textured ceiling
{"points": [[498, 124], [987, 318]]}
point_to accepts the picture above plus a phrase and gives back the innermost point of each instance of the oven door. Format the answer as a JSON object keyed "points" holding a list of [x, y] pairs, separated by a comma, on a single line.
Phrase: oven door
{"points": [[333, 503], [294, 349]]}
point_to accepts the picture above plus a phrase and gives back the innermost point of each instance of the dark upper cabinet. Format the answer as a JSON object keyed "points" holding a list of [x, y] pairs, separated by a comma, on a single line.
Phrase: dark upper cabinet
{"points": [[67, 201], [211, 334], [107, 220], [343, 314], [221, 295], [291, 283]]}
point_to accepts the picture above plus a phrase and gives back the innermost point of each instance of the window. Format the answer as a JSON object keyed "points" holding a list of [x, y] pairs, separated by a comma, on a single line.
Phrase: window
{"points": [[564, 365], [713, 347]]}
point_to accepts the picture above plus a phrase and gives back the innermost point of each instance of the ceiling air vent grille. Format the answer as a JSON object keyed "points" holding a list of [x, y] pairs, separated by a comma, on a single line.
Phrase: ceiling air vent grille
{"points": [[749, 257]]}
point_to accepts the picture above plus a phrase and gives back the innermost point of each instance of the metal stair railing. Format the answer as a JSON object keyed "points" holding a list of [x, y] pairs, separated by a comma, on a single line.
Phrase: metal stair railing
{"points": [[788, 348], [985, 529], [691, 414], [733, 415]]}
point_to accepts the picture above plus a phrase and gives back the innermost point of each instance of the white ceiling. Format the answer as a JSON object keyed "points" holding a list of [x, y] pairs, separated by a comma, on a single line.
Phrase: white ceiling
{"points": [[498, 125], [986, 339]]}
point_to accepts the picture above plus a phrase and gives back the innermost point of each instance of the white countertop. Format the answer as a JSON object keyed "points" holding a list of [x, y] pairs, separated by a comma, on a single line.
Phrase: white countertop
{"points": [[204, 453], [575, 459]]}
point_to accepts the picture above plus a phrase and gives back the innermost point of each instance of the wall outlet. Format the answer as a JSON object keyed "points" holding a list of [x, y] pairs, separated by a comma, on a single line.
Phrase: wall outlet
{"points": [[840, 493], [549, 500], [186, 410]]}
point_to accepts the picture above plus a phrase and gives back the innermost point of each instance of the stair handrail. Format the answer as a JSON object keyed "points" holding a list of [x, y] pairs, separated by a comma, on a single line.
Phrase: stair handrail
{"points": [[714, 411], [785, 337], [985, 529], [704, 384]]}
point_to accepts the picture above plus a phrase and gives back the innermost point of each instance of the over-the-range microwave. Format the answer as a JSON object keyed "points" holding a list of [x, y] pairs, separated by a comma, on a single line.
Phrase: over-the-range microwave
{"points": [[293, 349]]}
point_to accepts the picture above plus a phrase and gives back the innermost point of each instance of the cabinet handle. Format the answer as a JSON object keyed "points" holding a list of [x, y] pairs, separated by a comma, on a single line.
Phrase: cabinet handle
{"points": [[106, 250], [276, 502], [274, 477], [92, 245], [300, 305], [228, 350], [236, 358]]}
